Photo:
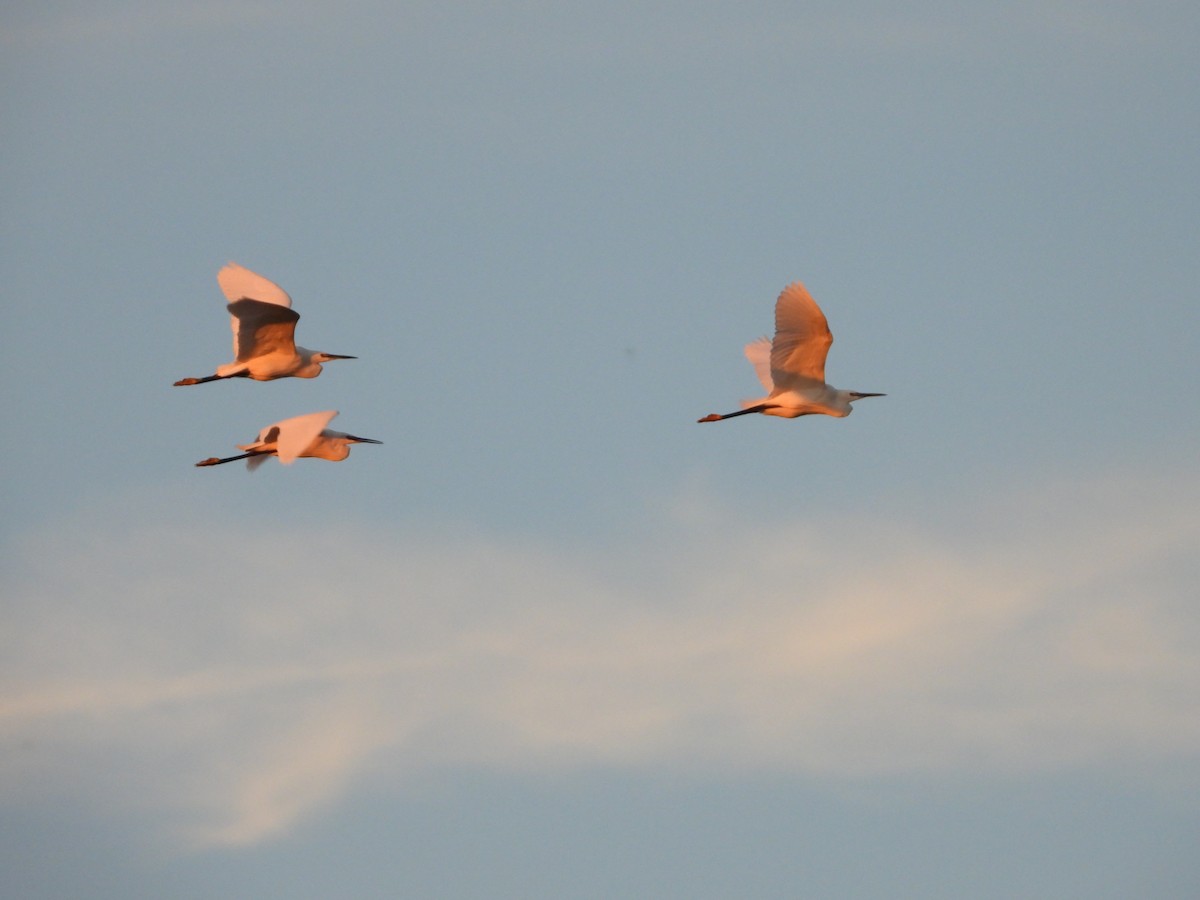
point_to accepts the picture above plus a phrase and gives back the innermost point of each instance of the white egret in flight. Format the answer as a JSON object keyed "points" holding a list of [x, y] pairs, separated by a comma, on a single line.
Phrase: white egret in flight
{"points": [[792, 366], [293, 438], [264, 328]]}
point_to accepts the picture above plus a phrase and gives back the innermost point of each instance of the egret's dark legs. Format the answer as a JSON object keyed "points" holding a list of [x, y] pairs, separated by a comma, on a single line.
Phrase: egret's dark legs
{"points": [[183, 381], [214, 461], [714, 417]]}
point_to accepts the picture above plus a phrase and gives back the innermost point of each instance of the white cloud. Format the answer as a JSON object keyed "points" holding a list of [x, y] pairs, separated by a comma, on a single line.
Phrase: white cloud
{"points": [[241, 681]]}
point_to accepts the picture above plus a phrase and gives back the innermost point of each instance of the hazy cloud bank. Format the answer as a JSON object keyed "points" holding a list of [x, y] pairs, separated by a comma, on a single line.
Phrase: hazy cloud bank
{"points": [[235, 681]]}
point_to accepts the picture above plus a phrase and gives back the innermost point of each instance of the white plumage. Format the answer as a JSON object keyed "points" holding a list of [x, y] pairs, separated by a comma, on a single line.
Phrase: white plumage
{"points": [[792, 366], [264, 332], [291, 439]]}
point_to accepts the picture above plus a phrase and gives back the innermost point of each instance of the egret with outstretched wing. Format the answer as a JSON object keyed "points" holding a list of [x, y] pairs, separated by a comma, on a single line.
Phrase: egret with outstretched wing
{"points": [[264, 329], [792, 366], [294, 438]]}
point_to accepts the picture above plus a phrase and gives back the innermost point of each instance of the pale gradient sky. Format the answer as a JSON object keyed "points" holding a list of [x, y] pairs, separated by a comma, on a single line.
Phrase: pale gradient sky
{"points": [[554, 639]]}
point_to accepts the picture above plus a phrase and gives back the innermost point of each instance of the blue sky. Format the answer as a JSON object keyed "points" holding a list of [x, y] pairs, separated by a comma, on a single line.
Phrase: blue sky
{"points": [[553, 638]]}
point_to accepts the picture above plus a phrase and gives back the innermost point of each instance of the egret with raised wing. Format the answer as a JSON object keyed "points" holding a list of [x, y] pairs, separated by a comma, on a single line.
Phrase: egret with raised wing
{"points": [[792, 366], [293, 438], [264, 332]]}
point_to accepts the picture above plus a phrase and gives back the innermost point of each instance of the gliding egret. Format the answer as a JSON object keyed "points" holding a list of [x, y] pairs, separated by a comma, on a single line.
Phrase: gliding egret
{"points": [[264, 327], [293, 438], [792, 366]]}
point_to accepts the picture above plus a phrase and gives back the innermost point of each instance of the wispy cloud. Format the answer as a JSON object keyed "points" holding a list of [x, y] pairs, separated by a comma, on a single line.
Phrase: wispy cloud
{"points": [[241, 681]]}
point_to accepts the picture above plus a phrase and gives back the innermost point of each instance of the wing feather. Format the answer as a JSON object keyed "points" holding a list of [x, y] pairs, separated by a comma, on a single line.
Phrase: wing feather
{"points": [[802, 339], [260, 328], [297, 434], [759, 354], [237, 282]]}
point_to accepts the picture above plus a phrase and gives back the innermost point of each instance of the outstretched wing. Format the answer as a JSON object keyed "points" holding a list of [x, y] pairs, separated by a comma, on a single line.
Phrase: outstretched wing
{"points": [[237, 282], [260, 313], [260, 328], [759, 354], [802, 339], [297, 434]]}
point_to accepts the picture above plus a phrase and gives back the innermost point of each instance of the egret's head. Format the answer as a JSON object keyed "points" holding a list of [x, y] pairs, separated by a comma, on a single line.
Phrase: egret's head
{"points": [[842, 405], [312, 360]]}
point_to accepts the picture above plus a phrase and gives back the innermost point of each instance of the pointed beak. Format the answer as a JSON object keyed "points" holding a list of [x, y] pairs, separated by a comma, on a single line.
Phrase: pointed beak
{"points": [[359, 440], [339, 356], [857, 396]]}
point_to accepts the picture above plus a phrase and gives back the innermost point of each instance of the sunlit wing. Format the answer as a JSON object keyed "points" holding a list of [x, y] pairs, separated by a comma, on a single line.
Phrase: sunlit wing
{"points": [[260, 328], [759, 354], [297, 434], [802, 339], [237, 282]]}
